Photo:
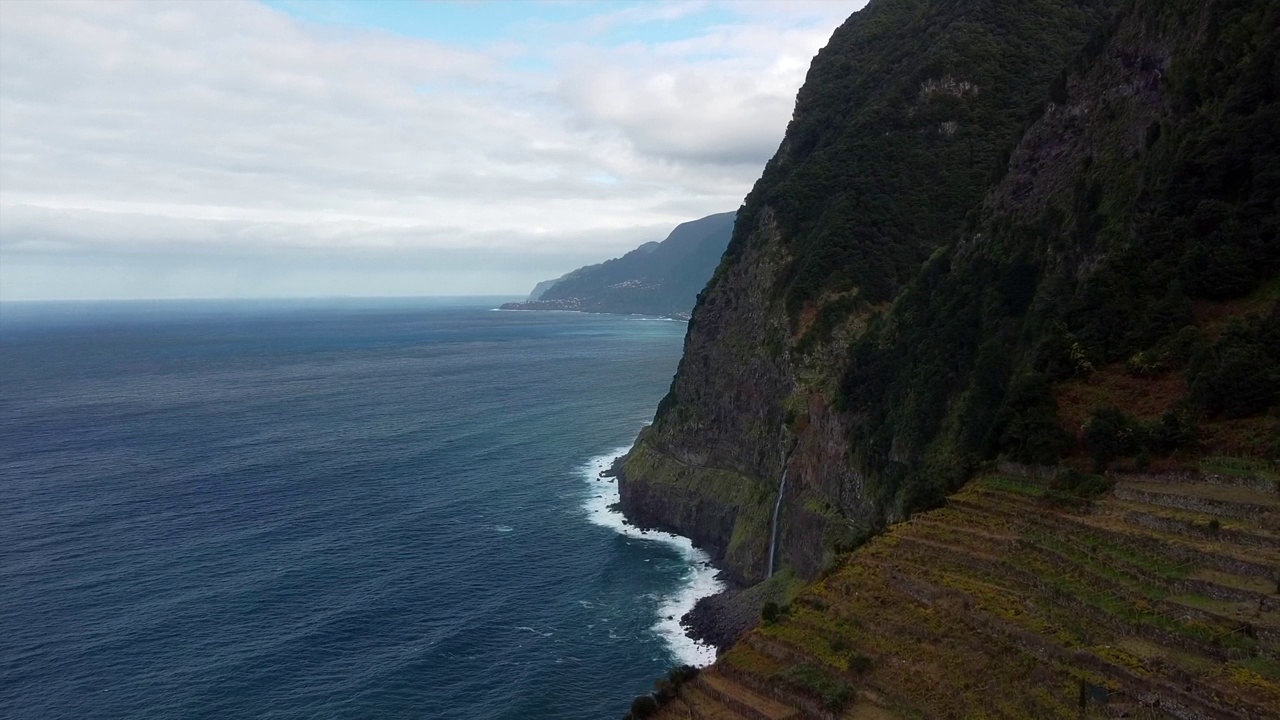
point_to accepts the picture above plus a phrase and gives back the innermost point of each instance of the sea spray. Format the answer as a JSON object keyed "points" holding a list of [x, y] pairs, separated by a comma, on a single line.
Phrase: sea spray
{"points": [[700, 580], [777, 507]]}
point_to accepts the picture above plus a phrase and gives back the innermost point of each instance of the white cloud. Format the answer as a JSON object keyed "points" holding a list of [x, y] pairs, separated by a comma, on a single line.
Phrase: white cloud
{"points": [[179, 132]]}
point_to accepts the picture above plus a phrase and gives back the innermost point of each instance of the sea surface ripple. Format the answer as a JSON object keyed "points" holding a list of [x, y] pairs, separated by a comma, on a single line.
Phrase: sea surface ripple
{"points": [[330, 509]]}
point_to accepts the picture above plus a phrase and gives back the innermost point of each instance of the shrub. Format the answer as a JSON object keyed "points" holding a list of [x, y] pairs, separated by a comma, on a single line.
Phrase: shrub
{"points": [[1185, 344], [664, 690], [1075, 484], [1027, 424], [1080, 359], [834, 693], [682, 674], [1035, 438], [845, 537], [1240, 375], [860, 664], [1145, 364], [643, 706], [770, 613], [1175, 431], [1110, 434]]}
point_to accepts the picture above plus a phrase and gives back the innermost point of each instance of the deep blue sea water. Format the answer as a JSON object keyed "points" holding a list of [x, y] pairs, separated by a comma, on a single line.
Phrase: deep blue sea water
{"points": [[328, 509]]}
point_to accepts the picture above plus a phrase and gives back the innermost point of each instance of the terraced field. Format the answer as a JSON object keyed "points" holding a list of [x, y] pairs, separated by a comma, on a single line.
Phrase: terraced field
{"points": [[1158, 599]]}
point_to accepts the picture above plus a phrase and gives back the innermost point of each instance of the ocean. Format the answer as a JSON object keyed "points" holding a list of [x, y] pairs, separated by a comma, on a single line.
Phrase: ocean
{"points": [[330, 509]]}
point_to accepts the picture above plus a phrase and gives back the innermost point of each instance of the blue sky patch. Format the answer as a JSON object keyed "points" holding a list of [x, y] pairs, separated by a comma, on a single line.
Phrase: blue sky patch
{"points": [[478, 24]]}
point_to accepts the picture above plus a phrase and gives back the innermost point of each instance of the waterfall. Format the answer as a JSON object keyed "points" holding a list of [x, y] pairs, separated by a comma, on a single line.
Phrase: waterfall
{"points": [[777, 506]]}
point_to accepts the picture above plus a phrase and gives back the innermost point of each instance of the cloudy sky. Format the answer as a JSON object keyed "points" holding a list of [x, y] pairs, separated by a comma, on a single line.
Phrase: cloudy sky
{"points": [[289, 148]]}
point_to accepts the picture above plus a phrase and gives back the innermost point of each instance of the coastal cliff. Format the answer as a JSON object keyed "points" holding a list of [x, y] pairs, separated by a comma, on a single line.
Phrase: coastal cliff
{"points": [[902, 118], [657, 278], [1029, 242]]}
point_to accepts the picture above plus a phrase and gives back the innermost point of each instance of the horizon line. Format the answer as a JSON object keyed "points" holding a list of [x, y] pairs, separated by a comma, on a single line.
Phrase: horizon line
{"points": [[261, 298]]}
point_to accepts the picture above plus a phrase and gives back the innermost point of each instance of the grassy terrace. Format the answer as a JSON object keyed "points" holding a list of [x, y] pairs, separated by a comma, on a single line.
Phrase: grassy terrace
{"points": [[1154, 600]]}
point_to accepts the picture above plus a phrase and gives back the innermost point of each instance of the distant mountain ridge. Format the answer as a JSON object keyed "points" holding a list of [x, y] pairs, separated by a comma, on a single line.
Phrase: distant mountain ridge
{"points": [[657, 278]]}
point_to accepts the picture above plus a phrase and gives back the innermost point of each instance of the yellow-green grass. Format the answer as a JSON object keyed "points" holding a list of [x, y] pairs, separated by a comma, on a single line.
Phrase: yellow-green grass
{"points": [[1001, 606]]}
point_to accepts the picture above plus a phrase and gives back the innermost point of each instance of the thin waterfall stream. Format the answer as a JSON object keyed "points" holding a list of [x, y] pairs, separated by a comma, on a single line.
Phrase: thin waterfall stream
{"points": [[777, 506]]}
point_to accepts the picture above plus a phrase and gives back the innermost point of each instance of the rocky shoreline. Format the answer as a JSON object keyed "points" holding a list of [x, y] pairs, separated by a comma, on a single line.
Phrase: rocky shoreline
{"points": [[720, 620], [717, 620], [724, 618]]}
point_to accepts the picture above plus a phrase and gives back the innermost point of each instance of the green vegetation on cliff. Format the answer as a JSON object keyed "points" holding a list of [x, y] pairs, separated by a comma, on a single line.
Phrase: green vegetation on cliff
{"points": [[897, 129], [1150, 188], [893, 141], [1038, 235], [954, 231]]}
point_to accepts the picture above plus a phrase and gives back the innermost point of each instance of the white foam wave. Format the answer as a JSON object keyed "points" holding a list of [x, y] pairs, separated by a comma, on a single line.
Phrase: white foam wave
{"points": [[701, 580]]}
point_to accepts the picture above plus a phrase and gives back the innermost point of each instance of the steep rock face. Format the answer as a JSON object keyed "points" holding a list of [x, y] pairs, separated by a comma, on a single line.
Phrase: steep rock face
{"points": [[901, 118], [1111, 304], [728, 391], [540, 288], [1138, 202], [1113, 301]]}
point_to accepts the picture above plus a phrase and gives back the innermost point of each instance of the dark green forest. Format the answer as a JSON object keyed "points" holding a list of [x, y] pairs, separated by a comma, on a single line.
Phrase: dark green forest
{"points": [[909, 107], [1108, 271]]}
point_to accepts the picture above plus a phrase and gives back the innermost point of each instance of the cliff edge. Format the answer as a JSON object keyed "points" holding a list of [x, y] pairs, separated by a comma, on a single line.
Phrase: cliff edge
{"points": [[895, 135], [1043, 234]]}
